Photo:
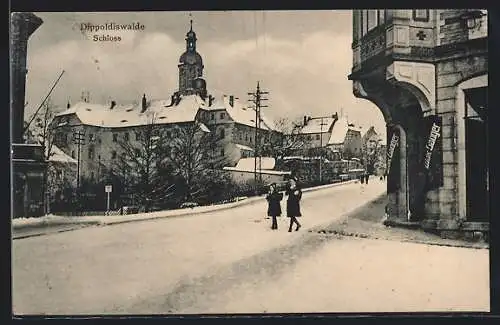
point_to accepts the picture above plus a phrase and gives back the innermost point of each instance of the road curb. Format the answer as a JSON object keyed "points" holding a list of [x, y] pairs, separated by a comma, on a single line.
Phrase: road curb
{"points": [[97, 221]]}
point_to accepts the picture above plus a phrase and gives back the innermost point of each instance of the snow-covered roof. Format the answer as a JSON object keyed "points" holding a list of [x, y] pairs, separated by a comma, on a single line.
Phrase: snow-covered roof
{"points": [[130, 115], [241, 113], [58, 155], [314, 126], [339, 131], [248, 164], [203, 127], [243, 147]]}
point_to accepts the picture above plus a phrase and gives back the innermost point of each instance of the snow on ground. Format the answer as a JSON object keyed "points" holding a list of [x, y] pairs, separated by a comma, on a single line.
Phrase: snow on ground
{"points": [[51, 219], [360, 275], [128, 268]]}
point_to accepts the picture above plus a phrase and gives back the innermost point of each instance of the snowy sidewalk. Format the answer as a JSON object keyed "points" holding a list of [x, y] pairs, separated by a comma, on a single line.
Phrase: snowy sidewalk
{"points": [[28, 227], [366, 222]]}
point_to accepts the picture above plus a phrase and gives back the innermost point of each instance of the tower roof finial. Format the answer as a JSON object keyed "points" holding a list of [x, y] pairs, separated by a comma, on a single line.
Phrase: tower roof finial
{"points": [[190, 22]]}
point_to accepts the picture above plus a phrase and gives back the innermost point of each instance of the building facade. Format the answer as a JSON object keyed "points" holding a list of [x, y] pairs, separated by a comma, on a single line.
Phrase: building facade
{"points": [[29, 167], [374, 152], [427, 71], [335, 135]]}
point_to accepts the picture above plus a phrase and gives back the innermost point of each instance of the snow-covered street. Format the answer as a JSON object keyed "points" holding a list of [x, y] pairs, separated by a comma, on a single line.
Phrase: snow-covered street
{"points": [[231, 261]]}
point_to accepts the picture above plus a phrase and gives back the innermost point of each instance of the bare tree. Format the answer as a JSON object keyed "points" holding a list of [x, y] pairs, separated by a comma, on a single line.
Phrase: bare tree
{"points": [[193, 159], [41, 131], [287, 139], [139, 165]]}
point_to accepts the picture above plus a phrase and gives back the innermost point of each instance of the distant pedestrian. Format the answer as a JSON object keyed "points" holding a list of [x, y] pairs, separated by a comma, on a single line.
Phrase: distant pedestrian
{"points": [[362, 178], [367, 176], [293, 204], [274, 206]]}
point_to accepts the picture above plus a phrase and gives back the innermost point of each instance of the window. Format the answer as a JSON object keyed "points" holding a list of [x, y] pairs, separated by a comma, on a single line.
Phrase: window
{"points": [[126, 136], [421, 14], [212, 116], [99, 140], [317, 136], [113, 154], [91, 153], [73, 154], [169, 134], [137, 136], [372, 19], [246, 137], [222, 133], [91, 137], [222, 152], [92, 175], [240, 136], [222, 115], [115, 137], [364, 19], [381, 17]]}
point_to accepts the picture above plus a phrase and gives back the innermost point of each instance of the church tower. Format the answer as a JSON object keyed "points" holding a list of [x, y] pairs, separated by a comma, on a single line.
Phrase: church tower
{"points": [[191, 68]]}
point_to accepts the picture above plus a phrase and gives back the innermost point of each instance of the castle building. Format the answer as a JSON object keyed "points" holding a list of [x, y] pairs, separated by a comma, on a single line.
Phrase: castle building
{"points": [[427, 71], [104, 126]]}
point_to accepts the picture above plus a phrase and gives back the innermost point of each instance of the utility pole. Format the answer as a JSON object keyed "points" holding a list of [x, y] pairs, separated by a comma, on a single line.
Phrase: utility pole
{"points": [[256, 98], [79, 140], [321, 118]]}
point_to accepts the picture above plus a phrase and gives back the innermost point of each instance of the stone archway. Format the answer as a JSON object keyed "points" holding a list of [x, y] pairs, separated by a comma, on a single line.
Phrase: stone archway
{"points": [[405, 93]]}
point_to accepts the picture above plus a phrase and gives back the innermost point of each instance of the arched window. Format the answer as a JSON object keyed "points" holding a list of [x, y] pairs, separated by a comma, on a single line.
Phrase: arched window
{"points": [[222, 133]]}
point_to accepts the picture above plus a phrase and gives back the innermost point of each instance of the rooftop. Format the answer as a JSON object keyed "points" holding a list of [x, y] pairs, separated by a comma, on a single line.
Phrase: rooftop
{"points": [[130, 115]]}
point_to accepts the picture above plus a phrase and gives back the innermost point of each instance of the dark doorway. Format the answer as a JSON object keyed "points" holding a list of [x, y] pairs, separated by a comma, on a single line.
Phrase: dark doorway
{"points": [[476, 147]]}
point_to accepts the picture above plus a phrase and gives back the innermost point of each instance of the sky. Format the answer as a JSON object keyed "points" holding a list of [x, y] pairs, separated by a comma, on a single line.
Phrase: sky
{"points": [[302, 58]]}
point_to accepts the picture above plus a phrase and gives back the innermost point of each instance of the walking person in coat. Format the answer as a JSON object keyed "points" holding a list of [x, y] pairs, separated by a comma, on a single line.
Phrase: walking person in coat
{"points": [[293, 204], [274, 204]]}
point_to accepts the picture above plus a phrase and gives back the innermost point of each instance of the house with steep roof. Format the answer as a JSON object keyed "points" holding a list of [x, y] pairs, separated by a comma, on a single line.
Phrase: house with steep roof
{"points": [[335, 134]]}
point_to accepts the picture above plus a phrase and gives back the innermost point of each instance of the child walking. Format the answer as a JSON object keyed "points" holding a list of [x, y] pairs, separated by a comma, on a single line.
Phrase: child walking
{"points": [[274, 206]]}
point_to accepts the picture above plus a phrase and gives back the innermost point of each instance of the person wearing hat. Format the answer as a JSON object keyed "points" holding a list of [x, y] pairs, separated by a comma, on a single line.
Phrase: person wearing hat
{"points": [[274, 206], [293, 203]]}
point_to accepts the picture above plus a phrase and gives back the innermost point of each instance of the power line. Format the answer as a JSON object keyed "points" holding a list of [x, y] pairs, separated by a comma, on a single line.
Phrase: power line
{"points": [[256, 98]]}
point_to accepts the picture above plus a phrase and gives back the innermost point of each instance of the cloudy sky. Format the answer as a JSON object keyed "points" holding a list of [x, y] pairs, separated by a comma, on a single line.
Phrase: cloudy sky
{"points": [[301, 57]]}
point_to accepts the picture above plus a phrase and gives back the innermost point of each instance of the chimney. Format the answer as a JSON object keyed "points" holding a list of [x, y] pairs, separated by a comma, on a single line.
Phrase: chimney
{"points": [[144, 104], [68, 105], [113, 104], [231, 100], [305, 120], [210, 100]]}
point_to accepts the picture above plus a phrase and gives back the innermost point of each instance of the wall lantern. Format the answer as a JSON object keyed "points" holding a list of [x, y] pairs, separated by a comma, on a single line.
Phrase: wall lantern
{"points": [[472, 19]]}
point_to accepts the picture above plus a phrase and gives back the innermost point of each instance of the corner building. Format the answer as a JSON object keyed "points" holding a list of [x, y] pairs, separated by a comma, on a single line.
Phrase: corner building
{"points": [[427, 72]]}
